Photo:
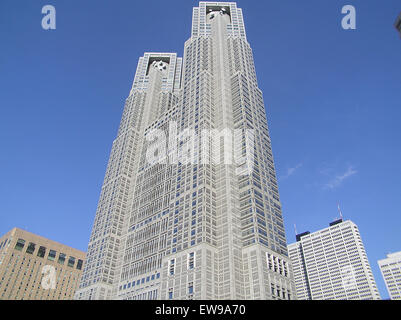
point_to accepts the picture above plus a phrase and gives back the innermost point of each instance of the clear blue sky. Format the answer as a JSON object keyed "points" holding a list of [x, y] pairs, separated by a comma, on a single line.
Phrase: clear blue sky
{"points": [[333, 98]]}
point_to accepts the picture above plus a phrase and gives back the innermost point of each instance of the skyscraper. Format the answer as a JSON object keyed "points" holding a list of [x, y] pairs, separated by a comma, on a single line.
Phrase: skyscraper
{"points": [[196, 215], [390, 268], [331, 264]]}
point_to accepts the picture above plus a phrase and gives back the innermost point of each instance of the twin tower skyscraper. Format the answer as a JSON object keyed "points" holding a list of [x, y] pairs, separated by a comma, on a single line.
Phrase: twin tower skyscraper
{"points": [[174, 220]]}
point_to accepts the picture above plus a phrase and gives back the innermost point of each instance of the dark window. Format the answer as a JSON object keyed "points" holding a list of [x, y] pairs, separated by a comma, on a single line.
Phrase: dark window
{"points": [[71, 261], [20, 244], [61, 258], [172, 266], [31, 248], [41, 251], [191, 262], [52, 255], [79, 264]]}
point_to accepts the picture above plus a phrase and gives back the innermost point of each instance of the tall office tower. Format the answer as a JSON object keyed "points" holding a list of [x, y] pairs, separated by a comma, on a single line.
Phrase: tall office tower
{"points": [[182, 219], [331, 264], [36, 268], [390, 268]]}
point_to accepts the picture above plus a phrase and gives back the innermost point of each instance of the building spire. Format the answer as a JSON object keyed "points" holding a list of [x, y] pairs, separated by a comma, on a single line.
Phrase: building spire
{"points": [[339, 210]]}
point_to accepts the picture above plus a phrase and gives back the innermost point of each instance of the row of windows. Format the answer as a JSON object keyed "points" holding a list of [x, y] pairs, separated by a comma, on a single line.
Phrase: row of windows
{"points": [[190, 263], [3, 243], [190, 291], [277, 264], [139, 281], [280, 293], [150, 295], [23, 275], [51, 255]]}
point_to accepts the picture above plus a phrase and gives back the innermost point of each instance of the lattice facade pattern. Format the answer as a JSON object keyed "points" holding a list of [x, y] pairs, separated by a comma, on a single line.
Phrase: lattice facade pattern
{"points": [[191, 231]]}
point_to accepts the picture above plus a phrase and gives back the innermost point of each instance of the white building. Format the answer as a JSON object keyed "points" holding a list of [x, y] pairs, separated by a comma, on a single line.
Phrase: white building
{"points": [[390, 268], [201, 229], [331, 264]]}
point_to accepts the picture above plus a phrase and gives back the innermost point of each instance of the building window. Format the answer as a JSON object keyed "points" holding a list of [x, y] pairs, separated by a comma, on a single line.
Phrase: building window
{"points": [[41, 251], [31, 248], [61, 258], [79, 264], [20, 244], [191, 260], [285, 269], [279, 266], [172, 267], [170, 293], [191, 288], [52, 255], [269, 261], [71, 262]]}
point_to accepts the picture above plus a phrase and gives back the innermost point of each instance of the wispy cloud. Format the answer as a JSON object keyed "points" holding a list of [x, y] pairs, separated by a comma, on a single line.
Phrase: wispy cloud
{"points": [[291, 171], [339, 179]]}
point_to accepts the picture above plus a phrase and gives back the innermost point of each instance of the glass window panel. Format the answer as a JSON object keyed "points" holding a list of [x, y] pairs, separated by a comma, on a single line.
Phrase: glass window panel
{"points": [[31, 248], [41, 251], [61, 258], [79, 264], [71, 261], [20, 244], [52, 255]]}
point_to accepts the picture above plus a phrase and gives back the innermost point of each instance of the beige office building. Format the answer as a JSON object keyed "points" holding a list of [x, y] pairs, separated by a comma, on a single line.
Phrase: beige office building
{"points": [[36, 268]]}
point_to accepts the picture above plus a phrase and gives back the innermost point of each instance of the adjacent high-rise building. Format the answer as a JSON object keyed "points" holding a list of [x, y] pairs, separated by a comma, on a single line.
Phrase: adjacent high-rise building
{"points": [[36, 268], [331, 264], [390, 268], [196, 215]]}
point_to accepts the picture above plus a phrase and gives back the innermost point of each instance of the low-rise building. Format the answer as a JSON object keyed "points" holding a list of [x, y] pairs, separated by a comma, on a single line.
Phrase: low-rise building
{"points": [[35, 268]]}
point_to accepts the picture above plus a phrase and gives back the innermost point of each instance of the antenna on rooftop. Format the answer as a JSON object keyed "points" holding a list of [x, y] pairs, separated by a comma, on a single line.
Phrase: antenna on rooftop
{"points": [[339, 211]]}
